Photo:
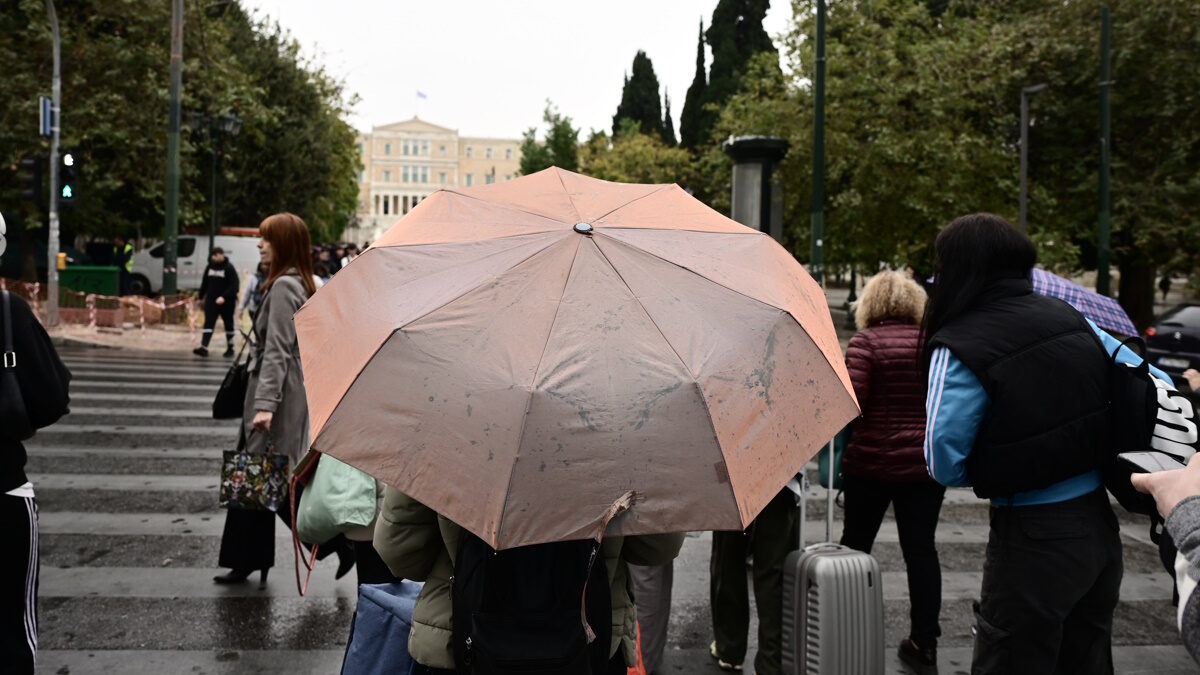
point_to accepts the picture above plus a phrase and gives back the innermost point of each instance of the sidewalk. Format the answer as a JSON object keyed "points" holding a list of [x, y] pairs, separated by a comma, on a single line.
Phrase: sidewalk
{"points": [[154, 339]]}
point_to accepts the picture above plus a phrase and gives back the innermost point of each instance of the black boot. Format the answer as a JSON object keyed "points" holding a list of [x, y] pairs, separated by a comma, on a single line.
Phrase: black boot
{"points": [[233, 577]]}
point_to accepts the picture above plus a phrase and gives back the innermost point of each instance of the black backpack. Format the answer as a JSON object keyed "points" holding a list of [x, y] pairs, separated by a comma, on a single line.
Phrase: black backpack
{"points": [[518, 611], [1146, 414]]}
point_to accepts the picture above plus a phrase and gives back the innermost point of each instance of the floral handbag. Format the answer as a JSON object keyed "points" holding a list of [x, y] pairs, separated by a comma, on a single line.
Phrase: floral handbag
{"points": [[255, 481]]}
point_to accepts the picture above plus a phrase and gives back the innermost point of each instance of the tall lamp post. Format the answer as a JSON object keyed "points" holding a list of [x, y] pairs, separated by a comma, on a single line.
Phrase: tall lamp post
{"points": [[1103, 244], [217, 127], [171, 244], [55, 131], [818, 178], [1026, 92]]}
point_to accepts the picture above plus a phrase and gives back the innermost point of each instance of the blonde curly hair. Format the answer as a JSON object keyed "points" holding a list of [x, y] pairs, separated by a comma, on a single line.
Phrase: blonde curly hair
{"points": [[890, 295]]}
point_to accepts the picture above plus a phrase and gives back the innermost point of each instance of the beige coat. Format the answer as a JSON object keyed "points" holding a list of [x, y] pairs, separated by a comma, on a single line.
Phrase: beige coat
{"points": [[418, 544], [276, 380]]}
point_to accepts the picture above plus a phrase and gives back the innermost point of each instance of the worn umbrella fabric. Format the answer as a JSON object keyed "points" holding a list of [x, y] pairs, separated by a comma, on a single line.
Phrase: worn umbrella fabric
{"points": [[518, 356], [1106, 312]]}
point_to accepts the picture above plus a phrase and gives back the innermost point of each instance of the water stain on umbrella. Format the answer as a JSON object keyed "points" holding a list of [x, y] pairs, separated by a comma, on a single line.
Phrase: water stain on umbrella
{"points": [[763, 375]]}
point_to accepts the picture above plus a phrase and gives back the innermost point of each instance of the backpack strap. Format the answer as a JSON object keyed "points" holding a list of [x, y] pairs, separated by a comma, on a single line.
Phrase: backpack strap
{"points": [[618, 507], [10, 356]]}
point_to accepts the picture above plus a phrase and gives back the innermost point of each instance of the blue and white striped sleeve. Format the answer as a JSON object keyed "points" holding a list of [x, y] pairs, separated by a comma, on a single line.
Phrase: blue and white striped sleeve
{"points": [[954, 407], [1126, 355]]}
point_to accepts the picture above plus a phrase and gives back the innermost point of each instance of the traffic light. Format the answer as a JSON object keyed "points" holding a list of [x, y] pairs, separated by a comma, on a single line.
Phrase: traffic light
{"points": [[68, 171], [30, 178]]}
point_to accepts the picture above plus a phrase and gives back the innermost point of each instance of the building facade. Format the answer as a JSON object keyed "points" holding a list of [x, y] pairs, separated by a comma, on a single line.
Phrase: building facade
{"points": [[405, 162]]}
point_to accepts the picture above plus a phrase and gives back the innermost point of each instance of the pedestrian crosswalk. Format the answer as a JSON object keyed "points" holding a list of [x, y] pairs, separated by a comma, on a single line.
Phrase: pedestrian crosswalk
{"points": [[127, 485]]}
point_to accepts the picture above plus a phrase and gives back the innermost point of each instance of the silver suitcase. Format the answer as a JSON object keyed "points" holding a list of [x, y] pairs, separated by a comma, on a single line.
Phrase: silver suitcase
{"points": [[832, 610]]}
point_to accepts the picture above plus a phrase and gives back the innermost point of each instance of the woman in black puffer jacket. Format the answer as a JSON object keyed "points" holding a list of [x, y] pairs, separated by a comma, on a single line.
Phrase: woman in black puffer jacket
{"points": [[885, 461]]}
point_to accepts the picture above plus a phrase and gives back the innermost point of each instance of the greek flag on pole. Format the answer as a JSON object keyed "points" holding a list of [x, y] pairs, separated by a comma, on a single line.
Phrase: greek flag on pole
{"points": [[421, 94]]}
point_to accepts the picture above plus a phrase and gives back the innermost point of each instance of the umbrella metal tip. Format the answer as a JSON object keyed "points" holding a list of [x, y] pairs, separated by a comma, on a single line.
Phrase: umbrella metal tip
{"points": [[583, 228]]}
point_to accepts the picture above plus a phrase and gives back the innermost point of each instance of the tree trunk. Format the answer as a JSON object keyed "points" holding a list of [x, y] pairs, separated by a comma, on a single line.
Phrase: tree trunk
{"points": [[1136, 291]]}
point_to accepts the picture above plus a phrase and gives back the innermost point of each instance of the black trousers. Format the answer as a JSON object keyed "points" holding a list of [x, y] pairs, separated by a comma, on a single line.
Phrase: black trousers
{"points": [[917, 506], [211, 311], [19, 584], [1050, 585]]}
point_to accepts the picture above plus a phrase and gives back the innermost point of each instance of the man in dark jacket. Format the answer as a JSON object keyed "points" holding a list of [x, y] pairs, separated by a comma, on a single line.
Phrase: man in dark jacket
{"points": [[41, 385], [219, 291]]}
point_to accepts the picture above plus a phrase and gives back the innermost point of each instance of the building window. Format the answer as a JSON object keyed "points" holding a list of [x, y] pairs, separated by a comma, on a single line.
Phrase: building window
{"points": [[360, 148], [376, 211], [396, 204], [386, 204], [470, 152], [507, 154], [441, 178], [405, 174], [387, 148], [405, 151], [424, 148], [507, 177], [362, 176], [387, 176], [424, 174], [489, 178], [488, 153], [442, 150], [470, 179]]}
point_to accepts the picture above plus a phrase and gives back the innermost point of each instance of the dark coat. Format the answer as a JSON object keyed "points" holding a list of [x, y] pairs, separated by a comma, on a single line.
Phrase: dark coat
{"points": [[888, 443], [220, 281]]}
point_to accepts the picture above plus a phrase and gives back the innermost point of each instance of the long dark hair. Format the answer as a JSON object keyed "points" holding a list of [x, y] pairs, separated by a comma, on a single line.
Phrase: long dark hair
{"points": [[971, 254], [290, 246]]}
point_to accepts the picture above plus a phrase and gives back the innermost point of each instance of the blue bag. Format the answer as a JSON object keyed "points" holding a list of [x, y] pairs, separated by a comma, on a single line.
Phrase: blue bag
{"points": [[382, 622]]}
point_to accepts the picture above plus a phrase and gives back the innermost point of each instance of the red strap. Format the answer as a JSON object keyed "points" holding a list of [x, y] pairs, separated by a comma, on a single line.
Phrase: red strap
{"points": [[297, 546], [618, 507]]}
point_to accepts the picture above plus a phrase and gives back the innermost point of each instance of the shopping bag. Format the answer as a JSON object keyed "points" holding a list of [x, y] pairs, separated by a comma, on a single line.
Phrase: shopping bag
{"points": [[382, 623], [339, 497], [255, 481]]}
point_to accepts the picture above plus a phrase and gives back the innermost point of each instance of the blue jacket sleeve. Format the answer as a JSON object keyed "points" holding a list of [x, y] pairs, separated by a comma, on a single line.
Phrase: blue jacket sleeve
{"points": [[1126, 355], [954, 406]]}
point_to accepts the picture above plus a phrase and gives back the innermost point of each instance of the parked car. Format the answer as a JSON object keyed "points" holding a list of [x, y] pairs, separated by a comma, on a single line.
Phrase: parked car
{"points": [[192, 256], [1173, 342]]}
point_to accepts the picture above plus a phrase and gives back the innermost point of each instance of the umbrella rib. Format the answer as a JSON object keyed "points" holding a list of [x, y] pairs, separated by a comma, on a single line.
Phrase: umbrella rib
{"points": [[532, 387], [558, 175], [506, 205], [635, 199], [695, 380], [457, 241]]}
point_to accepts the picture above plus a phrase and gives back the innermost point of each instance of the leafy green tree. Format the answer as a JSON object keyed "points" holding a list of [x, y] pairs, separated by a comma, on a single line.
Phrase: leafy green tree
{"points": [[561, 147], [295, 150], [668, 124], [639, 98], [689, 117], [634, 157]]}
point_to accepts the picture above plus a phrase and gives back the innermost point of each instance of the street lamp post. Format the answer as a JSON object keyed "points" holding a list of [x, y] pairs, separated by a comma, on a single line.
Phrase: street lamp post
{"points": [[171, 244], [217, 127], [818, 179], [1103, 243], [55, 131], [1026, 92]]}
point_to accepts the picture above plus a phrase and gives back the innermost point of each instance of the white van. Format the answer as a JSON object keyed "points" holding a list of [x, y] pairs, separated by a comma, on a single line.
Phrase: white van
{"points": [[192, 259]]}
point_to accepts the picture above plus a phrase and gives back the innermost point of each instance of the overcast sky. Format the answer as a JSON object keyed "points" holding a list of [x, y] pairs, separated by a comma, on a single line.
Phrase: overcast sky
{"points": [[487, 66]]}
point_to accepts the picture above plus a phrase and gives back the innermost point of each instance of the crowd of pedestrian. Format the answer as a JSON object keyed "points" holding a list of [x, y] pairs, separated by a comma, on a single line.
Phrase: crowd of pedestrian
{"points": [[980, 383]]}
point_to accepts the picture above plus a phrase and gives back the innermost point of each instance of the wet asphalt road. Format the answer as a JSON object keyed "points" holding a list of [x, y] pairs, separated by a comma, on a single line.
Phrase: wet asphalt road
{"points": [[130, 532]]}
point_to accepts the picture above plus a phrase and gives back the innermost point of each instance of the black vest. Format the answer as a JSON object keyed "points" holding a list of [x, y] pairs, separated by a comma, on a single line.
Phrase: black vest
{"points": [[1046, 375]]}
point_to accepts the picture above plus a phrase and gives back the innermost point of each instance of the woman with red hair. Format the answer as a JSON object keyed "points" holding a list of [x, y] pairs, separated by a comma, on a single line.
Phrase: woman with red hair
{"points": [[275, 409]]}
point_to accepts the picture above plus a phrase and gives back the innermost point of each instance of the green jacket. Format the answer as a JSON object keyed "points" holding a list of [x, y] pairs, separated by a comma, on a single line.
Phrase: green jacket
{"points": [[418, 544]]}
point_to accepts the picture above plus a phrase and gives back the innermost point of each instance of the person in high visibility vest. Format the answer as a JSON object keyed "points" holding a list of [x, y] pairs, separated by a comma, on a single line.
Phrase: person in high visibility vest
{"points": [[123, 259]]}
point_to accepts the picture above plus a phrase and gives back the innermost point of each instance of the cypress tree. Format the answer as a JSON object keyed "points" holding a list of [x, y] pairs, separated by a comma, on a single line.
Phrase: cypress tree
{"points": [[668, 134], [639, 98], [689, 118], [735, 34]]}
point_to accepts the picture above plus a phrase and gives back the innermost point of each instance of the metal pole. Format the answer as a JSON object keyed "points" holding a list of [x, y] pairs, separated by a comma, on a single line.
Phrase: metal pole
{"points": [[1024, 158], [818, 194], [1026, 92], [55, 130], [1103, 244], [212, 226], [171, 247]]}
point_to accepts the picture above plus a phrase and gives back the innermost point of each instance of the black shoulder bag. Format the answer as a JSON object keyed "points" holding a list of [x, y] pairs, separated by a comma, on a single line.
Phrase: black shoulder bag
{"points": [[231, 396], [16, 424]]}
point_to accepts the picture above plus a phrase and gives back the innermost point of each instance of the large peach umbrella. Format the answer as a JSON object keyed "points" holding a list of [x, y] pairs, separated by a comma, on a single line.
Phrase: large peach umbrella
{"points": [[519, 356]]}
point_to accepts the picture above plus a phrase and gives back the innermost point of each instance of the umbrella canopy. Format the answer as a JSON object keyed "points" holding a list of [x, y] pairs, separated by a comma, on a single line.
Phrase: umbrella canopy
{"points": [[519, 356], [1106, 312]]}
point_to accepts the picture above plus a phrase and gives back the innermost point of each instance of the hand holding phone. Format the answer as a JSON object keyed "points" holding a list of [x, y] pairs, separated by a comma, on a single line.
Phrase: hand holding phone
{"points": [[1168, 487], [1149, 462]]}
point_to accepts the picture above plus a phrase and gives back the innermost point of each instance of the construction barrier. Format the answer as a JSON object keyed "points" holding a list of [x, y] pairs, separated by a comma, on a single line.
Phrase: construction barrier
{"points": [[94, 310]]}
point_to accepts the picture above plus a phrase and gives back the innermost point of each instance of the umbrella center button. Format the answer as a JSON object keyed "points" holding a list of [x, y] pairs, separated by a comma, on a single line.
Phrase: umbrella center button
{"points": [[583, 228]]}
